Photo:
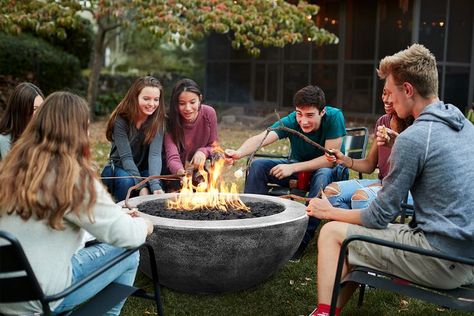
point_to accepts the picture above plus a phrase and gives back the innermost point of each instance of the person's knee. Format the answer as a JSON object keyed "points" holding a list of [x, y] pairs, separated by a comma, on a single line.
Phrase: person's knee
{"points": [[332, 189], [360, 195], [332, 232]]}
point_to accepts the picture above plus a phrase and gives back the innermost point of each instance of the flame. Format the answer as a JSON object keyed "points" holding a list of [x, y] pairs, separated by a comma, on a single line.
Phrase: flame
{"points": [[212, 192]]}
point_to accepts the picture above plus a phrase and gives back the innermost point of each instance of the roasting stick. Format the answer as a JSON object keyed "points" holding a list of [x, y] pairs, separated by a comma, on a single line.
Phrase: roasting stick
{"points": [[165, 177]]}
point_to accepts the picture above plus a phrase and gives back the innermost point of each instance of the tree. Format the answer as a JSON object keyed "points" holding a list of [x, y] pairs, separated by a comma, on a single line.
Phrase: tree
{"points": [[249, 24]]}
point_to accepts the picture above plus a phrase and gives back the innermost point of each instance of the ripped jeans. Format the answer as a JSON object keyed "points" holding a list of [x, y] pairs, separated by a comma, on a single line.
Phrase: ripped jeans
{"points": [[343, 195], [89, 259]]}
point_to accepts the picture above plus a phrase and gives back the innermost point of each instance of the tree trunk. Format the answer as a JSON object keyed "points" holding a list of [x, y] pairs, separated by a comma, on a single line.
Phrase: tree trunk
{"points": [[97, 61]]}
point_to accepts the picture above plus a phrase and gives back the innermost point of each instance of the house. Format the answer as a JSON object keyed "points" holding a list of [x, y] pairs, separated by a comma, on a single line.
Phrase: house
{"points": [[368, 30]]}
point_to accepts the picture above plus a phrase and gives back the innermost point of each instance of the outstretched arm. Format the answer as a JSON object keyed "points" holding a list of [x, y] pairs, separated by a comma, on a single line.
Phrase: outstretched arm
{"points": [[251, 144]]}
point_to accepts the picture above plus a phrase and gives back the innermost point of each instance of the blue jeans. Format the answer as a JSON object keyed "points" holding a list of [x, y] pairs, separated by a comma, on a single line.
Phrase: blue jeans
{"points": [[119, 187], [89, 259], [349, 187], [259, 176]]}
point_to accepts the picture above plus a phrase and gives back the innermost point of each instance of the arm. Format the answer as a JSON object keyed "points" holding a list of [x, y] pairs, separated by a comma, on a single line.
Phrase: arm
{"points": [[173, 159], [322, 209], [154, 161], [111, 224], [285, 170], [251, 144], [124, 149], [366, 165], [211, 116]]}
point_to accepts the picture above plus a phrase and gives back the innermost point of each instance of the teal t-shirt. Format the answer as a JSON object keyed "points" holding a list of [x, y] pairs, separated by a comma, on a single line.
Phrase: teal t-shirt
{"points": [[332, 126]]}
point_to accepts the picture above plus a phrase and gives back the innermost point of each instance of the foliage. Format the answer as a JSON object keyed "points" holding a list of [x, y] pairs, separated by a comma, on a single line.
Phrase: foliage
{"points": [[34, 59], [249, 24], [78, 41], [470, 115]]}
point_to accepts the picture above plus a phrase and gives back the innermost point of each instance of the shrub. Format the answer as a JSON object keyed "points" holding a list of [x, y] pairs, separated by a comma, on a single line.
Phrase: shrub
{"points": [[33, 59]]}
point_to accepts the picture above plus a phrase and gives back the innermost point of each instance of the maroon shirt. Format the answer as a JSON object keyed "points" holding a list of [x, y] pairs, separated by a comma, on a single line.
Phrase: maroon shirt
{"points": [[383, 152], [199, 135]]}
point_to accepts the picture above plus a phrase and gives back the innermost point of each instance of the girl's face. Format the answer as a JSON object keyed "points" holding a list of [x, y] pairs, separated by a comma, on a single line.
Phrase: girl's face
{"points": [[37, 103], [189, 103], [148, 100]]}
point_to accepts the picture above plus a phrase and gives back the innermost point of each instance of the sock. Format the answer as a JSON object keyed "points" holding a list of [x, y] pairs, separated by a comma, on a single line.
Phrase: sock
{"points": [[323, 310]]}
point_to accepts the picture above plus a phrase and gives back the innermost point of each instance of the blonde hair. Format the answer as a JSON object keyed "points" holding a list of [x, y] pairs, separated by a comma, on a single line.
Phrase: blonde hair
{"points": [[48, 171], [416, 65]]}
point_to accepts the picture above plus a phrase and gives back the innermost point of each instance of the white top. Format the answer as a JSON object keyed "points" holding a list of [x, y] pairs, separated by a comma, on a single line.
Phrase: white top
{"points": [[50, 251]]}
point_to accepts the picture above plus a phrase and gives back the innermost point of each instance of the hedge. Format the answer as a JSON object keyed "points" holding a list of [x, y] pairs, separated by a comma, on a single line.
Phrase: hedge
{"points": [[33, 59]]}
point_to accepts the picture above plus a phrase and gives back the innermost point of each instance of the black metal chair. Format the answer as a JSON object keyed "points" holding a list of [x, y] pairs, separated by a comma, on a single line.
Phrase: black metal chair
{"points": [[461, 298], [355, 143], [19, 283]]}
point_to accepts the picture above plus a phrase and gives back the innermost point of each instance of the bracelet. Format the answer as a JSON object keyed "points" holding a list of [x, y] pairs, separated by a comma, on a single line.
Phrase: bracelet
{"points": [[352, 163]]}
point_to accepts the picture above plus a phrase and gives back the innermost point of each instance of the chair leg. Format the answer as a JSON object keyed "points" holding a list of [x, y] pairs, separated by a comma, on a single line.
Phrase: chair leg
{"points": [[156, 282], [361, 294]]}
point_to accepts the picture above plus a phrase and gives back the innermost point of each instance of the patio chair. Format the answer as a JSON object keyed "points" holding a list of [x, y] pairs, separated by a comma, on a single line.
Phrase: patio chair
{"points": [[461, 298], [355, 143], [22, 284]]}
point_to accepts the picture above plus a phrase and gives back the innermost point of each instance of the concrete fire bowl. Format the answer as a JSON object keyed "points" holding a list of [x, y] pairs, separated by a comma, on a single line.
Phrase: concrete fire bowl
{"points": [[197, 256]]}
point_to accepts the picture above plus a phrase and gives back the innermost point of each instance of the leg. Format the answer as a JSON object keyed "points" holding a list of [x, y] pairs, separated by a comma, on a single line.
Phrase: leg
{"points": [[363, 197], [122, 185], [340, 193], [259, 176], [91, 258], [329, 244]]}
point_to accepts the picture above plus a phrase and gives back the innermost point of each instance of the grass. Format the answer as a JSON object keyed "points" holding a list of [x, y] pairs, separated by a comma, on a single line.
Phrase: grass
{"points": [[291, 291]]}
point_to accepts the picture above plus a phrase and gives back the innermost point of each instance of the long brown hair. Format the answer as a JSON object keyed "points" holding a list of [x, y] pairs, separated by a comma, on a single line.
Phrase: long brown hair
{"points": [[19, 109], [128, 109], [48, 172], [175, 124]]}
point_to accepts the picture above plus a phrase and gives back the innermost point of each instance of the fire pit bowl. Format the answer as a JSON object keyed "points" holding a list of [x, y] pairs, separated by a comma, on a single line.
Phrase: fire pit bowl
{"points": [[215, 256]]}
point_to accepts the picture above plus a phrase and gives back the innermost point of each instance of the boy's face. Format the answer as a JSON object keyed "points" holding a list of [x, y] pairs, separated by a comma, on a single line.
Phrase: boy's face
{"points": [[309, 118], [398, 97]]}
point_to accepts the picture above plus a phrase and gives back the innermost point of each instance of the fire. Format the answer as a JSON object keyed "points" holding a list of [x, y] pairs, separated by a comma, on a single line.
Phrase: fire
{"points": [[212, 192]]}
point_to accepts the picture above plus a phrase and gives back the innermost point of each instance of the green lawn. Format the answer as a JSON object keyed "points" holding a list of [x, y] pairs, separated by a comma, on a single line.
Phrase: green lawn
{"points": [[291, 291]]}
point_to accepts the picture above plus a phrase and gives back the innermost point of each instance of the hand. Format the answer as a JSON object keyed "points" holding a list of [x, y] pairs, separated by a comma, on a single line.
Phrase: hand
{"points": [[319, 207], [282, 171], [336, 157], [144, 191], [149, 227], [158, 192], [231, 153], [180, 172], [133, 212], [385, 136], [199, 158]]}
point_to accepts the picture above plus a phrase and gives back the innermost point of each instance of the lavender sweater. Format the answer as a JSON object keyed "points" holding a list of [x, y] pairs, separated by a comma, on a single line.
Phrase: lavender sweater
{"points": [[198, 136]]}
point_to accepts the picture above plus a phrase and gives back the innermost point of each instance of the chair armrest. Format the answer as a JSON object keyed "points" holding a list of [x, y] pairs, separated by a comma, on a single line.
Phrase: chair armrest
{"points": [[93, 275], [385, 243]]}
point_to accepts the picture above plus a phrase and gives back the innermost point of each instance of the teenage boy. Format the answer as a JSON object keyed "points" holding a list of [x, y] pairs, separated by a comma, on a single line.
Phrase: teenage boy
{"points": [[314, 119], [431, 159]]}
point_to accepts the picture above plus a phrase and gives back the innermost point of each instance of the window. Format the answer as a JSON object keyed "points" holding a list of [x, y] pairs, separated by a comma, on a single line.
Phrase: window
{"points": [[433, 26], [395, 26], [239, 82], [217, 81], [360, 29], [358, 88]]}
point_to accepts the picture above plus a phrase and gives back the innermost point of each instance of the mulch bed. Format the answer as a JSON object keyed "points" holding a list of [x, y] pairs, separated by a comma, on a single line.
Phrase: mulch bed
{"points": [[257, 209]]}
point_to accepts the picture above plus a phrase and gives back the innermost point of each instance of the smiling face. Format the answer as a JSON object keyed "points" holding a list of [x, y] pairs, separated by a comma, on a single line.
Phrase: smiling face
{"points": [[309, 118], [189, 103], [387, 104], [148, 101]]}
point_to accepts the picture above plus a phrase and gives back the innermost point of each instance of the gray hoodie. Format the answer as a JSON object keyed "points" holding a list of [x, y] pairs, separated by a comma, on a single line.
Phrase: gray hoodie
{"points": [[433, 159]]}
